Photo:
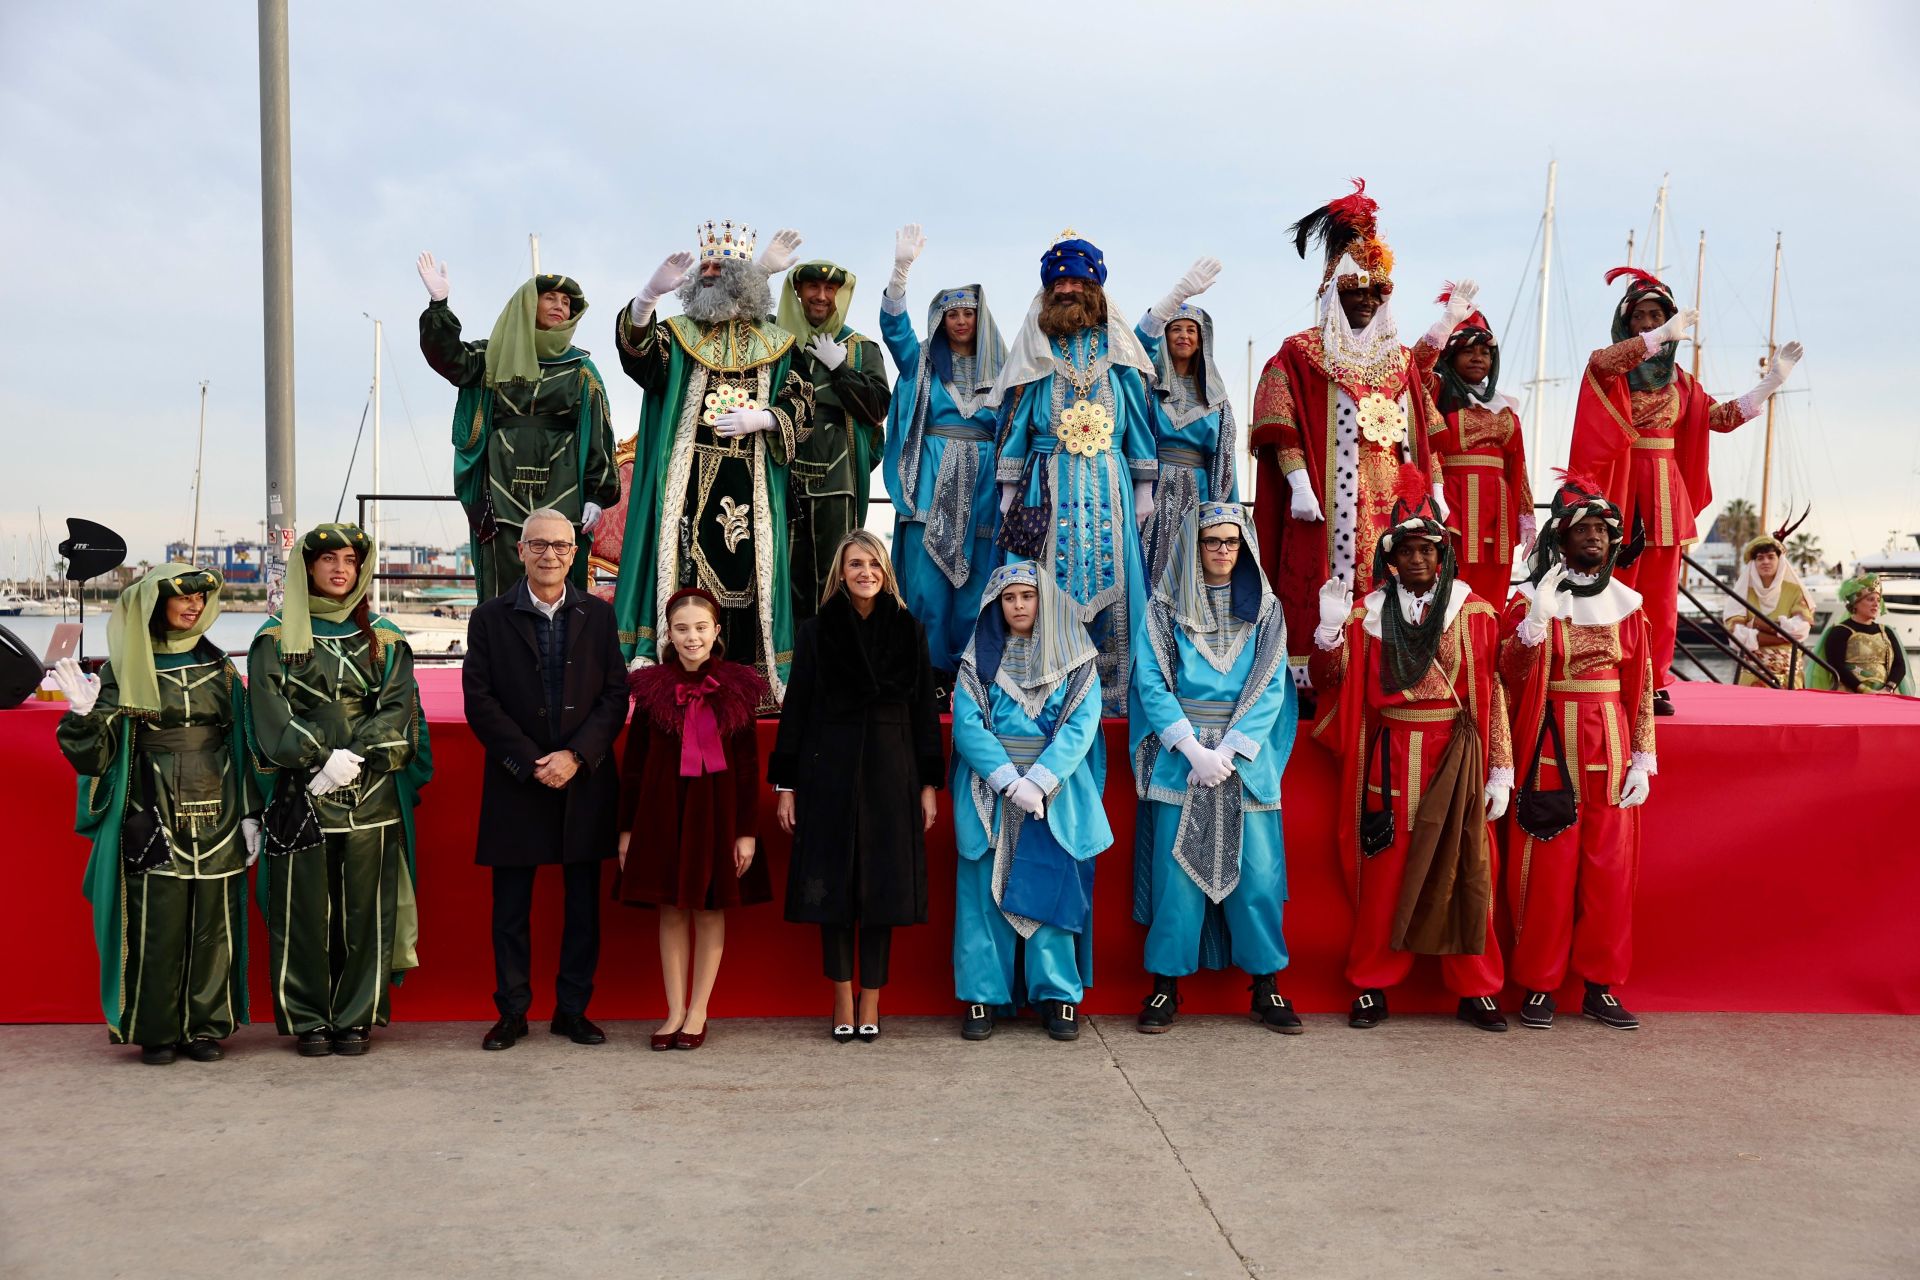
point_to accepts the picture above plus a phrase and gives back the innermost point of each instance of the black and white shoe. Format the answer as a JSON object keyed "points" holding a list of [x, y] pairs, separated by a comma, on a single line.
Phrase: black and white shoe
{"points": [[978, 1024], [1271, 1010], [843, 1033], [1369, 1009], [1159, 1011], [1602, 1007], [1536, 1011], [868, 1032], [1482, 1012], [1061, 1018]]}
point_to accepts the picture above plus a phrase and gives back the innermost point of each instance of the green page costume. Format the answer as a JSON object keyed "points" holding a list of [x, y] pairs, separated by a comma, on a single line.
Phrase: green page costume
{"points": [[831, 477], [341, 916], [170, 725], [531, 428], [703, 510]]}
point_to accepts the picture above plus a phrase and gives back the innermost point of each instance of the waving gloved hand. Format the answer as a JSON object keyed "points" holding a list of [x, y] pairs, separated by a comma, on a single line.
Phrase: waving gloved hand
{"points": [[674, 270], [81, 690], [1785, 357], [1198, 279], [1633, 792], [340, 768], [1673, 330], [908, 243], [433, 275], [828, 352], [1544, 607], [780, 252], [1304, 505], [1460, 300], [1028, 796], [735, 423], [1336, 606]]}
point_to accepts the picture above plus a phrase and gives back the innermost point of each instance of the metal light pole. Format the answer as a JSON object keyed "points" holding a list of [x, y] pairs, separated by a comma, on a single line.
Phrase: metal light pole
{"points": [[276, 276]]}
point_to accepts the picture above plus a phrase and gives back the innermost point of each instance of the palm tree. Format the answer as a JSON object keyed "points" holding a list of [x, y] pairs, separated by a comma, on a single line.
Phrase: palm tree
{"points": [[1804, 550], [1738, 524]]}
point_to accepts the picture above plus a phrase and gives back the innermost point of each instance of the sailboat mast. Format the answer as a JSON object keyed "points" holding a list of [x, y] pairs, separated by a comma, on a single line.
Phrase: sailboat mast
{"points": [[1540, 343], [276, 252], [533, 247], [1250, 474], [1773, 317], [373, 510], [1660, 228], [199, 470], [1699, 299], [1629, 247]]}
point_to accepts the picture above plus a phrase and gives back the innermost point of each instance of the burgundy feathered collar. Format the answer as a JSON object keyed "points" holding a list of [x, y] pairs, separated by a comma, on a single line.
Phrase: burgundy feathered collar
{"points": [[740, 691]]}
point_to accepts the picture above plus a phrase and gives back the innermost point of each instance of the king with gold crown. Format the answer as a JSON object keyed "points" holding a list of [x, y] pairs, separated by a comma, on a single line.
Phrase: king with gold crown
{"points": [[723, 415]]}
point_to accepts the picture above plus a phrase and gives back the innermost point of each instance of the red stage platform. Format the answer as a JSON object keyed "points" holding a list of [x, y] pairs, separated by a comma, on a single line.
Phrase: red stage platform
{"points": [[1781, 872]]}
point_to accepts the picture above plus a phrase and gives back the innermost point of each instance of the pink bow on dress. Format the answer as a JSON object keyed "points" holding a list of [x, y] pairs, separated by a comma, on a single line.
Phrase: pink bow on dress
{"points": [[701, 751]]}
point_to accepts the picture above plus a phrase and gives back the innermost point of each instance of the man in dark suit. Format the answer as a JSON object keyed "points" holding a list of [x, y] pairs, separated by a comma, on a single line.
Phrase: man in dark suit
{"points": [[546, 693]]}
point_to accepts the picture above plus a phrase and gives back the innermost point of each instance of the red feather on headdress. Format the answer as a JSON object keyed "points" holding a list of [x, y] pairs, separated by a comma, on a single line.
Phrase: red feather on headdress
{"points": [[1644, 277], [1410, 487], [1571, 479], [1785, 531], [1356, 210]]}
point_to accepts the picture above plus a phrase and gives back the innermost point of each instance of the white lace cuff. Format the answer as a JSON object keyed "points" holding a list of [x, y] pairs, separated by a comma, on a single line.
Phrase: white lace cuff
{"points": [[1176, 733], [1652, 342], [1239, 744], [1500, 778], [1531, 632], [1325, 638], [1646, 762], [1042, 777], [1003, 777]]}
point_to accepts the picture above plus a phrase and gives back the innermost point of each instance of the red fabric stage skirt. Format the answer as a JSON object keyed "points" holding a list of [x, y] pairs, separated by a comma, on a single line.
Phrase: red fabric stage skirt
{"points": [[1781, 872]]}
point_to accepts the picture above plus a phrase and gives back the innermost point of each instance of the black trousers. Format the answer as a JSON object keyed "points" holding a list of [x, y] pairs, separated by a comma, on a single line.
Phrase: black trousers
{"points": [[837, 952], [513, 943]]}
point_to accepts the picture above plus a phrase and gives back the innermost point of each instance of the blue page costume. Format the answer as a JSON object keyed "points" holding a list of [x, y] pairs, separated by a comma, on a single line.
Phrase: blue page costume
{"points": [[1026, 707], [1194, 434]]}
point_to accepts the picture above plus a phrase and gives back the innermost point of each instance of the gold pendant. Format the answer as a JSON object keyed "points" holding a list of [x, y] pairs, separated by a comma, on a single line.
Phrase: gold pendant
{"points": [[1086, 428], [735, 521], [1382, 421]]}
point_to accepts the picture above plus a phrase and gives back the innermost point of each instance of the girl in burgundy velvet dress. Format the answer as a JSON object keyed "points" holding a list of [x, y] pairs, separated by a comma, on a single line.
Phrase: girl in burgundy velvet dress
{"points": [[689, 791]]}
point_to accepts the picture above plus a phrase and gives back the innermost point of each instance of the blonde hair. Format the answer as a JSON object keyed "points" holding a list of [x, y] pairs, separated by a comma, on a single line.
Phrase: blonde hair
{"points": [[836, 576]]}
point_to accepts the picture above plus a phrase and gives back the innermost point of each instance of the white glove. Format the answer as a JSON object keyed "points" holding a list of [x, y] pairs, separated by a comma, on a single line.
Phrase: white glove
{"points": [[590, 516], [433, 275], [1199, 278], [908, 243], [780, 252], [1336, 606], [1747, 638], [1633, 793], [1027, 795], [1459, 306], [1543, 608], [674, 271], [1498, 796], [1796, 628], [1440, 502], [1143, 504], [1206, 768], [639, 663], [735, 423], [1529, 530], [1304, 505], [1672, 331], [828, 352], [1006, 496], [81, 689], [250, 832], [1785, 357], [340, 768]]}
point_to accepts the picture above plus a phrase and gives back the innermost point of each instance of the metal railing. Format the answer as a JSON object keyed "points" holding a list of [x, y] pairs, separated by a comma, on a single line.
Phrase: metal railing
{"points": [[1753, 665]]}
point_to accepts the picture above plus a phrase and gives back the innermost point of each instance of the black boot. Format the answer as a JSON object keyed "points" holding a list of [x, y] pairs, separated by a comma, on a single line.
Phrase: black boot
{"points": [[156, 1055], [1270, 1008], [1159, 1010], [1602, 1007], [1536, 1011], [352, 1041], [201, 1049], [1061, 1018], [1369, 1009], [1482, 1012], [315, 1044], [978, 1024]]}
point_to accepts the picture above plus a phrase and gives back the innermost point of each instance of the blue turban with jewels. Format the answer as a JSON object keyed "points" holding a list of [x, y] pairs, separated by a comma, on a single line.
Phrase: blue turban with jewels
{"points": [[1073, 259]]}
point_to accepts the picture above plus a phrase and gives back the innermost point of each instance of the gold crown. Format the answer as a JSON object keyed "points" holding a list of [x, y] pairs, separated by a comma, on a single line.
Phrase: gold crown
{"points": [[725, 240]]}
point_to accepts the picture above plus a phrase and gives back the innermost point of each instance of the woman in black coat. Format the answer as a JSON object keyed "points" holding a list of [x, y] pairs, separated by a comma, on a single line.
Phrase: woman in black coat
{"points": [[856, 765]]}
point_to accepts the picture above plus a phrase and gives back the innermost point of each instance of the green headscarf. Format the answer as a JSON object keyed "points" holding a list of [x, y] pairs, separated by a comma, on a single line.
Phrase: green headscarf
{"points": [[518, 344], [302, 606], [130, 641], [793, 317]]}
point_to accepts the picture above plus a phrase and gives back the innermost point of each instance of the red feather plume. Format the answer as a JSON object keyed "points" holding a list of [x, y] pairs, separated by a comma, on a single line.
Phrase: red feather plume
{"points": [[1571, 479], [1645, 277], [1356, 210], [1410, 487]]}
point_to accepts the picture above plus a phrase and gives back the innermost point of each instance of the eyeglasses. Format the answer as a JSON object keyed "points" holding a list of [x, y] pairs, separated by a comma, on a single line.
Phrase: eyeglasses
{"points": [[1220, 544], [540, 547]]}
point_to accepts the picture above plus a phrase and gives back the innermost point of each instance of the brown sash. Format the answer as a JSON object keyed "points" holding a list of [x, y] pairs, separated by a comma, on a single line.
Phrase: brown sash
{"points": [[1448, 882]]}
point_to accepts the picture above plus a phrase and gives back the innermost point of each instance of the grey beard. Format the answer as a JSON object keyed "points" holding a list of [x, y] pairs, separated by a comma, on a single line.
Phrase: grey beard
{"points": [[741, 293]]}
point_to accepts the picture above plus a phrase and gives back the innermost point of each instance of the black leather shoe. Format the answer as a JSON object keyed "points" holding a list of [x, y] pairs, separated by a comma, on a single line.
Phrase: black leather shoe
{"points": [[352, 1041], [575, 1027], [1602, 1007], [1482, 1012], [1536, 1011], [1369, 1009], [156, 1055], [201, 1049], [1061, 1018], [1662, 704], [1271, 1010], [504, 1032], [1159, 1011], [978, 1024], [315, 1044]]}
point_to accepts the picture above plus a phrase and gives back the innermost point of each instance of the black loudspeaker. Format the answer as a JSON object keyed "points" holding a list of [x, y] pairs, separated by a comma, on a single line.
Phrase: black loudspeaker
{"points": [[20, 670]]}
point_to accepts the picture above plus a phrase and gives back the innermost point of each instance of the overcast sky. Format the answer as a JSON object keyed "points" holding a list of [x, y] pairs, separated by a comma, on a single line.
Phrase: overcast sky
{"points": [[129, 154]]}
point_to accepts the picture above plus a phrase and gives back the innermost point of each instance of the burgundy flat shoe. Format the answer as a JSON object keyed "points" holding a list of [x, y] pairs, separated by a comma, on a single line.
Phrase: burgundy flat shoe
{"points": [[681, 1040], [658, 1041]]}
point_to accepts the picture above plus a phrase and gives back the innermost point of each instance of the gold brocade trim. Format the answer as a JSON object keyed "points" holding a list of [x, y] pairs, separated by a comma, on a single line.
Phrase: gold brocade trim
{"points": [[1613, 410], [1419, 715], [1415, 741], [1473, 460], [1656, 442], [733, 347], [1583, 686], [1663, 486], [1387, 374], [1570, 730], [1610, 717], [1471, 534], [479, 425]]}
